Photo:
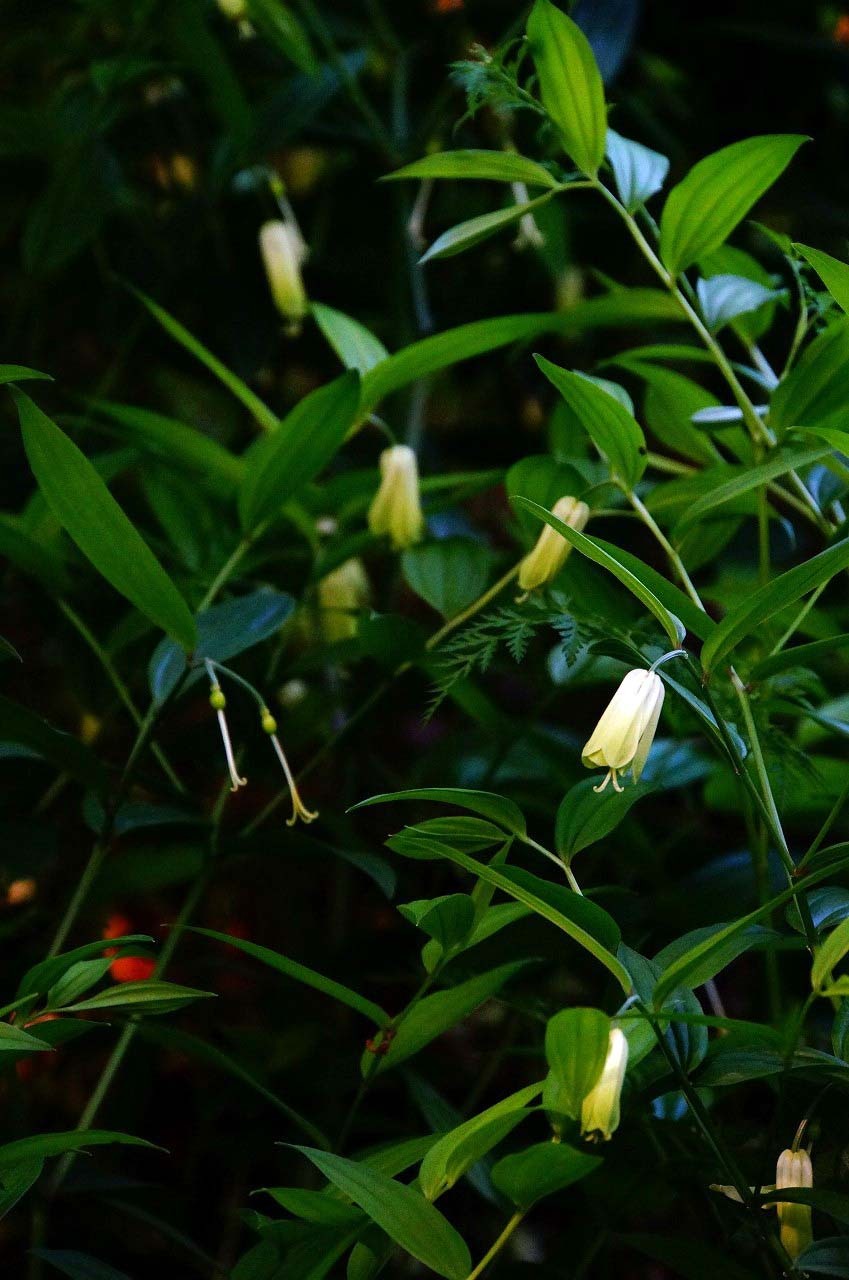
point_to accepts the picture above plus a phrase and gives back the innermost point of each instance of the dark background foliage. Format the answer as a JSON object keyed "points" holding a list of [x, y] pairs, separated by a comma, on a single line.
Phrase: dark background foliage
{"points": [[133, 137]]}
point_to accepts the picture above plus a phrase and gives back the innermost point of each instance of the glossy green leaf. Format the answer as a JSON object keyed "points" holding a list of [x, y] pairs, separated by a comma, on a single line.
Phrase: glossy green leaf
{"points": [[833, 273], [40, 1146], [817, 385], [500, 166], [670, 402], [705, 207], [638, 171], [447, 919], [279, 25], [576, 1043], [540, 1170], [20, 373], [471, 232], [449, 573], [828, 954], [81, 502], [355, 345], [609, 425], [76, 980], [401, 1211], [44, 975], [258, 410], [828, 1257], [770, 599], [725, 297], [801, 655], [151, 996], [16, 1039], [585, 817], [499, 810], [570, 83], [300, 972], [281, 463], [590, 547], [752, 478], [456, 1151]]}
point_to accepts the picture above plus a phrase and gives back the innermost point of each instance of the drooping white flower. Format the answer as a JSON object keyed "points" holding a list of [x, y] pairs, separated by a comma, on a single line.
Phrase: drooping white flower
{"points": [[623, 736], [794, 1169], [549, 554], [342, 593], [299, 809], [396, 508], [600, 1109], [283, 252], [218, 702]]}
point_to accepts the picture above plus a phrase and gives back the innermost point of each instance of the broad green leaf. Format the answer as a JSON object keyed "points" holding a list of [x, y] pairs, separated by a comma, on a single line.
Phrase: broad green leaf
{"points": [[834, 1203], [281, 463], [401, 1211], [300, 972], [81, 502], [441, 350], [79, 1266], [584, 817], [801, 655], [670, 402], [449, 573], [817, 386], [638, 171], [499, 810], [456, 1151], [725, 297], [828, 1257], [591, 548], [705, 207], [24, 727], [833, 273], [576, 1043], [76, 980], [447, 919], [315, 1206], [44, 975], [438, 1013], [770, 599], [177, 444], [609, 425], [151, 996], [15, 1038], [570, 83], [828, 954], [355, 345], [258, 410], [20, 373], [500, 166], [471, 232], [752, 478], [224, 631], [40, 1146], [541, 1170], [678, 604]]}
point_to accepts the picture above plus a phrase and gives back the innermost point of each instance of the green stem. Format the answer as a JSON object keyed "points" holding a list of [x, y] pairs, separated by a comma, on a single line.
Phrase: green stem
{"points": [[673, 556], [799, 619], [497, 1245], [833, 815], [559, 862]]}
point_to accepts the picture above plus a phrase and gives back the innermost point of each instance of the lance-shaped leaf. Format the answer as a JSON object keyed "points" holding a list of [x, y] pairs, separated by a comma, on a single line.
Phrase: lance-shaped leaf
{"points": [[471, 232], [717, 193], [817, 386], [83, 505], [498, 166], [499, 809], [612, 429], [355, 345], [279, 464], [570, 83], [590, 547], [833, 273], [752, 478]]}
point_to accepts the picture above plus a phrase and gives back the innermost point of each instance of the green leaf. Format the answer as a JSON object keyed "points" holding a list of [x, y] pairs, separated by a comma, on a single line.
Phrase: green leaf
{"points": [[771, 599], [143, 997], [724, 297], [834, 1203], [16, 1039], [752, 478], [447, 919], [541, 1170], [44, 975], [281, 463], [315, 1206], [79, 1266], [705, 207], [23, 551], [471, 232], [801, 655], [570, 83], [84, 506], [576, 1043], [20, 373], [592, 549], [500, 166], [678, 604], [23, 727], [401, 1211], [76, 980], [818, 384], [584, 817], [438, 1013], [456, 1151], [40, 1146], [16, 1181], [449, 573], [828, 954], [278, 24], [833, 273], [300, 972], [355, 345], [829, 1257], [638, 171], [609, 425], [499, 810], [258, 410]]}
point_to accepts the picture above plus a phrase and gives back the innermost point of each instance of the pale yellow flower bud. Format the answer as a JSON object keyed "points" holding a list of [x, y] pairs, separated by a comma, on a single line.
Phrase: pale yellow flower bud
{"points": [[396, 509], [235, 10], [283, 253], [623, 736], [549, 555], [600, 1109], [341, 595], [794, 1169]]}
